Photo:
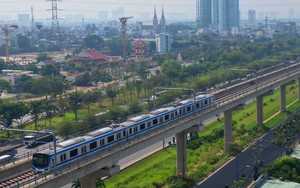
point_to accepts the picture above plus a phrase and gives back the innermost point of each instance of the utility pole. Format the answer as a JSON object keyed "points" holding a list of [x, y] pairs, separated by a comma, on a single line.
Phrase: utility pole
{"points": [[123, 21], [55, 31]]}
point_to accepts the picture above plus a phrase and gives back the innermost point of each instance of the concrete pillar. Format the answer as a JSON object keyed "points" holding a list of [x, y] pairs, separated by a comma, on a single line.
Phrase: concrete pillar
{"points": [[283, 98], [298, 88], [259, 110], [228, 130], [181, 144], [88, 182]]}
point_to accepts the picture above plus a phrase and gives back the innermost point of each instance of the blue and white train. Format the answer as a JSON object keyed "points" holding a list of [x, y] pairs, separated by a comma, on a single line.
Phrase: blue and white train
{"points": [[100, 139]]}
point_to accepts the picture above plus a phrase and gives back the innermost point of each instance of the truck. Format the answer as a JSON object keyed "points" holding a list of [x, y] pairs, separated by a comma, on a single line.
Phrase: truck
{"points": [[37, 139]]}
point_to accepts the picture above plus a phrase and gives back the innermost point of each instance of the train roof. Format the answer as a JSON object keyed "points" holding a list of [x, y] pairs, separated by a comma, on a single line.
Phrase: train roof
{"points": [[198, 97], [184, 102], [161, 110], [71, 142], [99, 132], [139, 118]]}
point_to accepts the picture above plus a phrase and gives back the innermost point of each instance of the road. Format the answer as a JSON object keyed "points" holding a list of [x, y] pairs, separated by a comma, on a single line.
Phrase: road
{"points": [[243, 165]]}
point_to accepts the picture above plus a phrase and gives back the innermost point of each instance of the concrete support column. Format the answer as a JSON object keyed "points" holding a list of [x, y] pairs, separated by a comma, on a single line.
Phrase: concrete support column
{"points": [[298, 88], [181, 144], [283, 98], [228, 130], [88, 182], [259, 110]]}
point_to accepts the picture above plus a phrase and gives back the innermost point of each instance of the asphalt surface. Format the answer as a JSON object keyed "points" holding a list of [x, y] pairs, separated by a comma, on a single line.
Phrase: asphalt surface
{"points": [[243, 164]]}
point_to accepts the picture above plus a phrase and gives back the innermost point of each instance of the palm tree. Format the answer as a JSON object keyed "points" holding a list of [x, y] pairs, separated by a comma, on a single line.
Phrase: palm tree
{"points": [[76, 184], [100, 183]]}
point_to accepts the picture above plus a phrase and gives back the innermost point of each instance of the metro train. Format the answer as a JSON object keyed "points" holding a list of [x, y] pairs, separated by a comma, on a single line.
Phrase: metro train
{"points": [[75, 148]]}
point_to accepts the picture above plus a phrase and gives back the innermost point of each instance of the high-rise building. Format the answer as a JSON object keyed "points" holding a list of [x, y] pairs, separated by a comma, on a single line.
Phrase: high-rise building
{"points": [[163, 43], [229, 15], [251, 17], [204, 13], [215, 12]]}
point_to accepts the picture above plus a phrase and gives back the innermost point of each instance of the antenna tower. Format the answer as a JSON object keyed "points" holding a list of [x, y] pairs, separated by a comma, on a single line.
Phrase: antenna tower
{"points": [[55, 31]]}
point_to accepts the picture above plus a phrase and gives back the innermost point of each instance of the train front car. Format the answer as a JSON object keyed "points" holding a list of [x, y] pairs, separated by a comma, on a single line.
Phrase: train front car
{"points": [[40, 162]]}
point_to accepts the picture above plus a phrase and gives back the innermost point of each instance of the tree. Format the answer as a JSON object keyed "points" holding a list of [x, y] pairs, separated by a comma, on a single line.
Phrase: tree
{"points": [[111, 91], [9, 112], [134, 107], [76, 184], [63, 104], [89, 98], [36, 108], [171, 68], [22, 109], [50, 70], [50, 108], [93, 42], [23, 42], [43, 57], [5, 85], [84, 80], [75, 98]]}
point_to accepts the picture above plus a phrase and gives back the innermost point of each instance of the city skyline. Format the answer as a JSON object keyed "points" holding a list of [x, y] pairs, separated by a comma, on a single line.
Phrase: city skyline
{"points": [[173, 9]]}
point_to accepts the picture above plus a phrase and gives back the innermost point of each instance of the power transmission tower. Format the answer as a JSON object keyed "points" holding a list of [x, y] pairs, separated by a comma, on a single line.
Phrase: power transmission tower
{"points": [[123, 21], [55, 31]]}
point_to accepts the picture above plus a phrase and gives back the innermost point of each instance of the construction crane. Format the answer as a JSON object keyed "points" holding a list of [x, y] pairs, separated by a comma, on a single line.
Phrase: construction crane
{"points": [[5, 29], [123, 21]]}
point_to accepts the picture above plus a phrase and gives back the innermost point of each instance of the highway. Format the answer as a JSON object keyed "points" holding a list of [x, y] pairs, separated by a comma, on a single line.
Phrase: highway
{"points": [[233, 93]]}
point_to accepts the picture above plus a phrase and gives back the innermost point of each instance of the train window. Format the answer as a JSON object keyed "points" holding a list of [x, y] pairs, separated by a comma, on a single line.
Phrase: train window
{"points": [[124, 133], [197, 105], [149, 124], [83, 149], [167, 117], [155, 121], [205, 102], [118, 135], [161, 119], [93, 145], [180, 112], [110, 138], [130, 131], [73, 152], [135, 129], [63, 157], [142, 126], [188, 109], [176, 113], [172, 115], [101, 142]]}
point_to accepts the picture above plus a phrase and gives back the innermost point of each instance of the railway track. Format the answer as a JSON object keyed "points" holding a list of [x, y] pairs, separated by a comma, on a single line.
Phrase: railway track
{"points": [[15, 181]]}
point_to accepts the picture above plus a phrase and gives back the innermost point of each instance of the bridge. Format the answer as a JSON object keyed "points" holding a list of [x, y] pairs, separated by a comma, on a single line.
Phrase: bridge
{"points": [[227, 100]]}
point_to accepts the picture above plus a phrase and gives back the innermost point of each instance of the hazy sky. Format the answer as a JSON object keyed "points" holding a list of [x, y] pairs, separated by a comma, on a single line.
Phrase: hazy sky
{"points": [[176, 8]]}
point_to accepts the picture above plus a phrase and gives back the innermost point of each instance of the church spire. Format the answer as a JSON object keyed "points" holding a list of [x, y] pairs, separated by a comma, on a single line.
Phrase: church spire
{"points": [[155, 20], [163, 24]]}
